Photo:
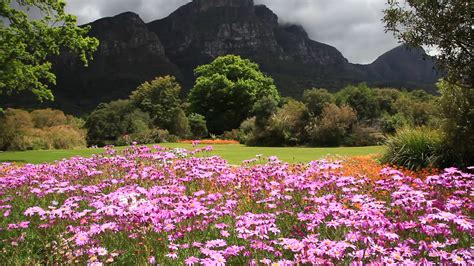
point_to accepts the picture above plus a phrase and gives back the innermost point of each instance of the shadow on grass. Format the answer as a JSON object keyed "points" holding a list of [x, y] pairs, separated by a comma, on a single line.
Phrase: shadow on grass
{"points": [[12, 161]]}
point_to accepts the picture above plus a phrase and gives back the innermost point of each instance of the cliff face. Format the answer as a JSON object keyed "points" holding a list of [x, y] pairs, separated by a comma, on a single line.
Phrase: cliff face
{"points": [[202, 30], [128, 55], [132, 52]]}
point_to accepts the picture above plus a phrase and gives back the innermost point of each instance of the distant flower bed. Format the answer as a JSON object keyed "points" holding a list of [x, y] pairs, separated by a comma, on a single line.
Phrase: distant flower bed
{"points": [[209, 141], [175, 207]]}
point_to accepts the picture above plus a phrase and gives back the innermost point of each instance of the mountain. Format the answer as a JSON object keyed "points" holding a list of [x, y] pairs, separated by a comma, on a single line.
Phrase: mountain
{"points": [[132, 52], [404, 67]]}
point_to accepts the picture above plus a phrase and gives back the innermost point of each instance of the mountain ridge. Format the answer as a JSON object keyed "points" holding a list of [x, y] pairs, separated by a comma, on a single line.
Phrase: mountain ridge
{"points": [[132, 51]]}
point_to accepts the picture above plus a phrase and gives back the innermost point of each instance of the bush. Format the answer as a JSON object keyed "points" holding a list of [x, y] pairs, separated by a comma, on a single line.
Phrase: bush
{"points": [[234, 134], [197, 126], [390, 123], [48, 118], [150, 136], [286, 126], [362, 99], [316, 100], [179, 123], [415, 148], [110, 121], [158, 98], [457, 111], [332, 127], [40, 130], [364, 136], [247, 131]]}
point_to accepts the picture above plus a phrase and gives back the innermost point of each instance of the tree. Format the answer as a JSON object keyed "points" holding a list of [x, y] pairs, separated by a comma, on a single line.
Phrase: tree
{"points": [[287, 125], [112, 120], [334, 124], [362, 99], [263, 109], [159, 98], [179, 124], [458, 117], [26, 44], [197, 125], [227, 89], [317, 99], [445, 25]]}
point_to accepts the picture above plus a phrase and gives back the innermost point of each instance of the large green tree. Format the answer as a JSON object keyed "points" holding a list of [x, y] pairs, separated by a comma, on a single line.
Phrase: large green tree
{"points": [[26, 44], [226, 91], [160, 99], [445, 25]]}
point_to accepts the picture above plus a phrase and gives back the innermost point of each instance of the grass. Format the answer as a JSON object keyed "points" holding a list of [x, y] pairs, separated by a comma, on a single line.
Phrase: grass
{"points": [[234, 154]]}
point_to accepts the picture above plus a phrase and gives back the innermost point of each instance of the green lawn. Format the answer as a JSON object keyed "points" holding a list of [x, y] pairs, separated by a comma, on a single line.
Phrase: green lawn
{"points": [[235, 154]]}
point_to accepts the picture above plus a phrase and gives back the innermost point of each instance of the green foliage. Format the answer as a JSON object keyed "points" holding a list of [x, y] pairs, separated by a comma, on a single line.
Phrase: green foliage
{"points": [[149, 136], [419, 111], [362, 99], [40, 130], [197, 125], [364, 136], [48, 118], [159, 98], [446, 25], [390, 123], [226, 91], [286, 126], [317, 99], [26, 44], [332, 127], [263, 109], [112, 120], [457, 109], [247, 132], [179, 123], [386, 100], [414, 148]]}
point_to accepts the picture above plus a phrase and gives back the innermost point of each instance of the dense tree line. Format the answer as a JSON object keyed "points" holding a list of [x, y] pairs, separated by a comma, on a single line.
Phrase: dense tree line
{"points": [[355, 116]]}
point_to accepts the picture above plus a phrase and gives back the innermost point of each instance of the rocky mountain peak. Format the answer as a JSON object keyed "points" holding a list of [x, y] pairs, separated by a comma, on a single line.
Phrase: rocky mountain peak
{"points": [[204, 5], [132, 51]]}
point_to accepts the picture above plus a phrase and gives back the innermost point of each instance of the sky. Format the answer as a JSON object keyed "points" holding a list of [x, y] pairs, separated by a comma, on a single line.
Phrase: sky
{"points": [[354, 27]]}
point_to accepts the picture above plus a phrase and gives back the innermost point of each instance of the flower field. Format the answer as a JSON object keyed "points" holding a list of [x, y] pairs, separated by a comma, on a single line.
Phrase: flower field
{"points": [[175, 207]]}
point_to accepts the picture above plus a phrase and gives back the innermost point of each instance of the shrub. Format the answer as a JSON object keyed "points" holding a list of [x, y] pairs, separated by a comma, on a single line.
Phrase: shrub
{"points": [[332, 127], [457, 111], [179, 123], [48, 118], [362, 99], [115, 119], [197, 126], [390, 123], [158, 98], [150, 136], [286, 126], [414, 148], [364, 136], [247, 131], [317, 99], [231, 135], [40, 130]]}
